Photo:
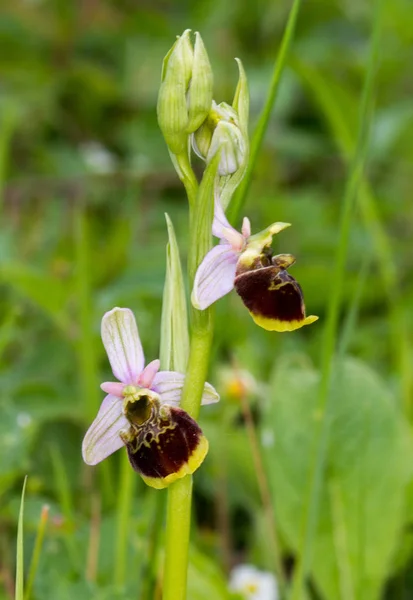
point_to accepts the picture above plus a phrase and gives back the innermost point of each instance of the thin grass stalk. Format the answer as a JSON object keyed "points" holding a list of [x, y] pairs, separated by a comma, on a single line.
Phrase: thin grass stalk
{"points": [[19, 591], [350, 321], [123, 511], [8, 123], [240, 196], [330, 332], [64, 495], [92, 561], [368, 206], [265, 493], [37, 550], [86, 348], [341, 545]]}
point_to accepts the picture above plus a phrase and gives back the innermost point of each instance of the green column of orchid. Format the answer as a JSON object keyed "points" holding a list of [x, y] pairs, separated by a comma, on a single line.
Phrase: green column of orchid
{"points": [[185, 107]]}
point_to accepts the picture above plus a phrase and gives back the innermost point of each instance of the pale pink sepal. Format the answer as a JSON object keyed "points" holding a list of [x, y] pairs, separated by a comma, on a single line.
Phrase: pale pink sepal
{"points": [[215, 276], [113, 388], [169, 384], [102, 438], [149, 372], [121, 340]]}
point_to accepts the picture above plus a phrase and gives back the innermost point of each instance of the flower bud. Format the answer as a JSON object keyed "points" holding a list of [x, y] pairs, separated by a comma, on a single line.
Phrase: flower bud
{"points": [[221, 132], [185, 94]]}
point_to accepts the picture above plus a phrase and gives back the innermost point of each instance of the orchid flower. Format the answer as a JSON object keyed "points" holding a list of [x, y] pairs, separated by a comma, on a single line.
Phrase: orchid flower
{"points": [[245, 261], [141, 410]]}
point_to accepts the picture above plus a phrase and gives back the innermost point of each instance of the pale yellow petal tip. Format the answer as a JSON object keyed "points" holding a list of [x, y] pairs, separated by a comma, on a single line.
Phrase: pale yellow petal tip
{"points": [[194, 461], [282, 326], [277, 227]]}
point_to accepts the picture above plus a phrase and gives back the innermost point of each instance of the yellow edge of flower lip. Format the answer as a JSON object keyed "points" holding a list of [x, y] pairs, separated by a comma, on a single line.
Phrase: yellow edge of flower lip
{"points": [[194, 461], [282, 326]]}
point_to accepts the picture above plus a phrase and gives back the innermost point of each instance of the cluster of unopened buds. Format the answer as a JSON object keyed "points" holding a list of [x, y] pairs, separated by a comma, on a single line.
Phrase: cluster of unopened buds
{"points": [[141, 411]]}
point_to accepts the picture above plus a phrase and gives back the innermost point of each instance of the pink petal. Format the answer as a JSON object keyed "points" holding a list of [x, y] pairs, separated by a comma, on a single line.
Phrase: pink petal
{"points": [[246, 227], [113, 388], [215, 276], [102, 438], [220, 224], [169, 384], [149, 372], [121, 340]]}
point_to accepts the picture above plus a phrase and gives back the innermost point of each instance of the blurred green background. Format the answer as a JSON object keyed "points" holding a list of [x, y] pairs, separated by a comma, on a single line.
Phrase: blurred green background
{"points": [[85, 180]]}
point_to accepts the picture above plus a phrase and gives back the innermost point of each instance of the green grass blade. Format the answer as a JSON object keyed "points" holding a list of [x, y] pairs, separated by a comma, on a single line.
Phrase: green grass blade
{"points": [[124, 504], [240, 196], [352, 314], [19, 595], [86, 349], [330, 333], [41, 529], [8, 122], [64, 494]]}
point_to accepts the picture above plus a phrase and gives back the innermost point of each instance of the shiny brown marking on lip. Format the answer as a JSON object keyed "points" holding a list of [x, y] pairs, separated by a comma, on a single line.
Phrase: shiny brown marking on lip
{"points": [[167, 447], [271, 293]]}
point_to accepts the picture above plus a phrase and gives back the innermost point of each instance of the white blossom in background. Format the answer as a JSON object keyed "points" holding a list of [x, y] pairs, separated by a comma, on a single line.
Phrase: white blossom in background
{"points": [[253, 584], [98, 159], [24, 420]]}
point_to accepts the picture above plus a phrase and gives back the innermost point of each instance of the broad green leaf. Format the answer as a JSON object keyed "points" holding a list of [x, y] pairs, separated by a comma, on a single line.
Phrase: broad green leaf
{"points": [[367, 470]]}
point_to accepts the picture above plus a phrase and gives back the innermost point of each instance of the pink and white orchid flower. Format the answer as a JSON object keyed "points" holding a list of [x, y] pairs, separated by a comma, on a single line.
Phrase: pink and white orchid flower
{"points": [[244, 261], [109, 430]]}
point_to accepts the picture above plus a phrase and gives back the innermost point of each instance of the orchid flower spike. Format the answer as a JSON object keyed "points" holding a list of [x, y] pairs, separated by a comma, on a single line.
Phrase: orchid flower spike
{"points": [[244, 261], [141, 410]]}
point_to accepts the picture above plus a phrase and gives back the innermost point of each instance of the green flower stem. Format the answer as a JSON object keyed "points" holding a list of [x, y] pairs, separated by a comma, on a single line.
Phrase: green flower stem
{"points": [[241, 194], [186, 175], [178, 523], [178, 515], [330, 333]]}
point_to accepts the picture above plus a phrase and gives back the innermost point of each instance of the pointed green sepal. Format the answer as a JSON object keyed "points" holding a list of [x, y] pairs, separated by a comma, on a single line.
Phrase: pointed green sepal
{"points": [[200, 87], [241, 102]]}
